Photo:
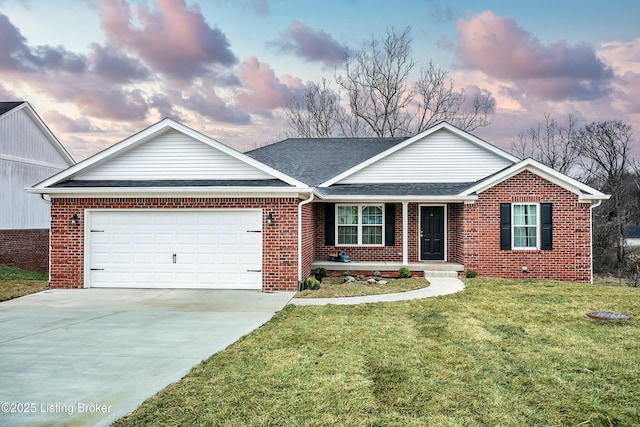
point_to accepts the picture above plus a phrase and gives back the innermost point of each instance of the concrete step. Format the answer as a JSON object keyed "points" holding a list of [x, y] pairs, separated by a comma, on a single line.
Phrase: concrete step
{"points": [[440, 273]]}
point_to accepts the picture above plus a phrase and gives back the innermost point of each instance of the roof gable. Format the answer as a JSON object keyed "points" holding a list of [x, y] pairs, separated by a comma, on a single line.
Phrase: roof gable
{"points": [[169, 151], [441, 154], [584, 192], [27, 139]]}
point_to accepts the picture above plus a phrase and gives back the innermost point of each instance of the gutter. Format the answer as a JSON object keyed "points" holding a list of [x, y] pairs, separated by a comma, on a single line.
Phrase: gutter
{"points": [[302, 203]]}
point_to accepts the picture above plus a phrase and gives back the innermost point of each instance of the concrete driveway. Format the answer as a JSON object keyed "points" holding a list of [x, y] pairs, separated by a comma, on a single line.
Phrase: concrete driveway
{"points": [[90, 356]]}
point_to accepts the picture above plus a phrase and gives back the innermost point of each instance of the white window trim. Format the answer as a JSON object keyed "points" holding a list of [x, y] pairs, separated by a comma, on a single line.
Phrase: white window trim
{"points": [[359, 225], [538, 227]]}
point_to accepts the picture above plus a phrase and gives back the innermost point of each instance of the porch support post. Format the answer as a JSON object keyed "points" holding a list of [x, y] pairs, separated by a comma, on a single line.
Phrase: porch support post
{"points": [[405, 233]]}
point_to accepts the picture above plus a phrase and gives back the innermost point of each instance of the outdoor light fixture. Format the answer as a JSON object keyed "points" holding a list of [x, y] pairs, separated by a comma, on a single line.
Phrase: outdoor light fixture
{"points": [[74, 219], [270, 219]]}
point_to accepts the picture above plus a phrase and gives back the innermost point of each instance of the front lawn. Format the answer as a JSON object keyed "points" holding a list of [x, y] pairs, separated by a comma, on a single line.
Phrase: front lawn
{"points": [[332, 287], [499, 353], [15, 282]]}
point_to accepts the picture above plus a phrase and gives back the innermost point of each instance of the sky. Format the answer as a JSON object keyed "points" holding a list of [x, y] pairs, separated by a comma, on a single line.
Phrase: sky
{"points": [[98, 71]]}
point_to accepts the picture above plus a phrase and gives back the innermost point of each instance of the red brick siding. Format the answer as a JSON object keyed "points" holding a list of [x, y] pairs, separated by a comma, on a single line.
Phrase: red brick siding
{"points": [[455, 226], [27, 249], [359, 253], [308, 239], [570, 258], [280, 242], [387, 253]]}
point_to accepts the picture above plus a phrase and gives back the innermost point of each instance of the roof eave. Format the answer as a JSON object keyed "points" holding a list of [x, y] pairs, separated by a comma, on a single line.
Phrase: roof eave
{"points": [[170, 191], [391, 198]]}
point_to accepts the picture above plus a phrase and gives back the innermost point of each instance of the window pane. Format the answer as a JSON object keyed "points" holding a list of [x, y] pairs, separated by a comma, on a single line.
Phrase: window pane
{"points": [[372, 214], [371, 235], [347, 214], [347, 235], [525, 215], [525, 237]]}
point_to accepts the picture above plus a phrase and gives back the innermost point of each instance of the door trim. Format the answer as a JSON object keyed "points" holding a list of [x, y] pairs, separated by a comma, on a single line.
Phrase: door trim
{"points": [[445, 221]]}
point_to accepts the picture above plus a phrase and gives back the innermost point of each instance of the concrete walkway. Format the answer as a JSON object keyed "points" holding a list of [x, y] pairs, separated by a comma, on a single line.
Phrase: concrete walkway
{"points": [[438, 286]]}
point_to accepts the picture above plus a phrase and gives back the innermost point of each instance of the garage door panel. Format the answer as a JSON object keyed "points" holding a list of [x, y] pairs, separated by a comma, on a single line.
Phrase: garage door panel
{"points": [[213, 249]]}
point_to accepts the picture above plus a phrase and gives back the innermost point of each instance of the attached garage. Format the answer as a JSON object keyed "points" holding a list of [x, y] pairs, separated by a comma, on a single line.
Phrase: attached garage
{"points": [[174, 248], [170, 207]]}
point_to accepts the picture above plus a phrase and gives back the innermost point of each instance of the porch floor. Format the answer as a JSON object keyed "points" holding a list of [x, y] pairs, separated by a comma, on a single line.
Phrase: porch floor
{"points": [[388, 266]]}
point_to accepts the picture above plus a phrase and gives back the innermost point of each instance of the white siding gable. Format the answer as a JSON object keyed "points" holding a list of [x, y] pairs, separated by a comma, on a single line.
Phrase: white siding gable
{"points": [[173, 156], [440, 157], [22, 140]]}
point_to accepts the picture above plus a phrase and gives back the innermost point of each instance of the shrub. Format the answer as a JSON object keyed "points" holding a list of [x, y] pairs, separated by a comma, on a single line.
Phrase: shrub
{"points": [[319, 273], [404, 273], [377, 274], [470, 274], [346, 273], [312, 283]]}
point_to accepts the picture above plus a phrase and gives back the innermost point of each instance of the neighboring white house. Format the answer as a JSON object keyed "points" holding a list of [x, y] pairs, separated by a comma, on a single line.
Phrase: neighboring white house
{"points": [[632, 235], [29, 153]]}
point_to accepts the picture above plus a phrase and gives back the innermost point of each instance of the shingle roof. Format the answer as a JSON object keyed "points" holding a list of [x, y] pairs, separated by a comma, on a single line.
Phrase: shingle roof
{"points": [[422, 189], [8, 106], [315, 160], [170, 183]]}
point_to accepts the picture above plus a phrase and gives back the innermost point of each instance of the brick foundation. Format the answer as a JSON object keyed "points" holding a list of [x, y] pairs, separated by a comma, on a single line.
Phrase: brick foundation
{"points": [[27, 249]]}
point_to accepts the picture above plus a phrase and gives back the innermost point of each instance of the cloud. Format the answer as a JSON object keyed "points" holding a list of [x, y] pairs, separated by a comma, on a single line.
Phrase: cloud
{"points": [[261, 7], [67, 124], [311, 45], [173, 38], [17, 56], [7, 95], [116, 67], [205, 101], [262, 89], [501, 49]]}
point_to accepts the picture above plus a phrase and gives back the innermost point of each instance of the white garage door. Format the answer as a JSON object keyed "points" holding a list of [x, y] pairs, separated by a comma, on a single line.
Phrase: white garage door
{"points": [[206, 249]]}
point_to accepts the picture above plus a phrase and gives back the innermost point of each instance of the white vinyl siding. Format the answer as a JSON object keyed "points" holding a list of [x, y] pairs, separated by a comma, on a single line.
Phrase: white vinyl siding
{"points": [[174, 155], [157, 248], [361, 225], [22, 140], [525, 226], [27, 157], [439, 157]]}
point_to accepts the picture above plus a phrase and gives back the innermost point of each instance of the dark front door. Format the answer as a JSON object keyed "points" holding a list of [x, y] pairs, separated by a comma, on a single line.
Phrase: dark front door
{"points": [[432, 232]]}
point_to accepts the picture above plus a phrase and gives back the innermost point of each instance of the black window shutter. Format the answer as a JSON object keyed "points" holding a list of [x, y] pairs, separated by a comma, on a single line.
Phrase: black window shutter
{"points": [[330, 224], [546, 218], [505, 226], [389, 224]]}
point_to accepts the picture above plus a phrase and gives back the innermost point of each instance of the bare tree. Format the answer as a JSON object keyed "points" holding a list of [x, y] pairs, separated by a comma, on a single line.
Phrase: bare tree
{"points": [[605, 162], [550, 143], [316, 114], [437, 100], [380, 99]]}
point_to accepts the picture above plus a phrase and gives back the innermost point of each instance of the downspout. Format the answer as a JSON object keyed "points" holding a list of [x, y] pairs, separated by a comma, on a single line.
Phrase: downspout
{"points": [[302, 203], [593, 206], [49, 257]]}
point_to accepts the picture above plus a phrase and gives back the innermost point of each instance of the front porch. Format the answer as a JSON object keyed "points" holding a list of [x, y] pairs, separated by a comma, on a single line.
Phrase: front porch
{"points": [[389, 268]]}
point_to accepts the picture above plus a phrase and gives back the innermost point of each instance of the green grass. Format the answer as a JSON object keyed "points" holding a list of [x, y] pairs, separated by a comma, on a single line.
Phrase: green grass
{"points": [[15, 282], [499, 353], [332, 287]]}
